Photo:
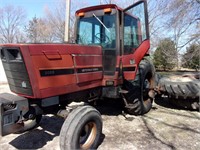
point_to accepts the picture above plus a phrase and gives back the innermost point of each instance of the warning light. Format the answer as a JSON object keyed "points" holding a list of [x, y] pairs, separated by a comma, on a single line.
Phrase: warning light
{"points": [[108, 10], [81, 14]]}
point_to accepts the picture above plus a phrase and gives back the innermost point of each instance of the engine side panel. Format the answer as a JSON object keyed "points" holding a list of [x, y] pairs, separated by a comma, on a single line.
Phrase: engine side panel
{"points": [[63, 69], [56, 69]]}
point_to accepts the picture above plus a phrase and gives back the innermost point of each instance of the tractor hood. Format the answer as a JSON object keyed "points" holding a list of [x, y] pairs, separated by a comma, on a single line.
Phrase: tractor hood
{"points": [[46, 70]]}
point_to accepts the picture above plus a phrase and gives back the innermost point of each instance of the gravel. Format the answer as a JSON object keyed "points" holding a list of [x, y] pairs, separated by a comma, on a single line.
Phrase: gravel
{"points": [[164, 127]]}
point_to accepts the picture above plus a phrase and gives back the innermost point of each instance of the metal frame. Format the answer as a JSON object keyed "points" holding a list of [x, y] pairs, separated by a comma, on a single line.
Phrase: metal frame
{"points": [[146, 14]]}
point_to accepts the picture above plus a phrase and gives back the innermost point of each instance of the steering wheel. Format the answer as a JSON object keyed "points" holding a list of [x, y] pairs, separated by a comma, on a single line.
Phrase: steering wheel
{"points": [[102, 37]]}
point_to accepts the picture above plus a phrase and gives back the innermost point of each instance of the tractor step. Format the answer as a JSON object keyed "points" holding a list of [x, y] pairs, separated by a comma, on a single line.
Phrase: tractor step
{"points": [[123, 91]]}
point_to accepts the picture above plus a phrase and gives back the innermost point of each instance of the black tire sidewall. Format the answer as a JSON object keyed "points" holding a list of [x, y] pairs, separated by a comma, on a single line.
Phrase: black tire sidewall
{"points": [[71, 129], [86, 119], [182, 94], [136, 104], [192, 87], [147, 69]]}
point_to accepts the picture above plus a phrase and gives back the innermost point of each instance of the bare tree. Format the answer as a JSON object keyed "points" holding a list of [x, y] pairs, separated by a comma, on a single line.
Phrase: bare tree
{"points": [[121, 3], [182, 21], [39, 31], [20, 37], [106, 1], [11, 20], [156, 10], [56, 18]]}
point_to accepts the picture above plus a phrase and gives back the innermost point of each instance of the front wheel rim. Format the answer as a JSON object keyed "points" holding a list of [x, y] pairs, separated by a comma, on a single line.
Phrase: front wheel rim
{"points": [[88, 135], [146, 88]]}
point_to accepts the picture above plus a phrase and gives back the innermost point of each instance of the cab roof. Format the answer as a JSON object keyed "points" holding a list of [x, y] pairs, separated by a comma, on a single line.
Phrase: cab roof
{"points": [[98, 7]]}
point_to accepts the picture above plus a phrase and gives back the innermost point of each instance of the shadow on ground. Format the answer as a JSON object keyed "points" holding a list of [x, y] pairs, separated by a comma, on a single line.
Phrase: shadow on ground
{"points": [[49, 128], [179, 104], [110, 107], [164, 127]]}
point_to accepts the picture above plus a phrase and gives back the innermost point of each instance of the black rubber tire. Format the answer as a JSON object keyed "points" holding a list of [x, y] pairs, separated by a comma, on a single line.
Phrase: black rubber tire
{"points": [[139, 97], [80, 121], [38, 119], [182, 91], [180, 87]]}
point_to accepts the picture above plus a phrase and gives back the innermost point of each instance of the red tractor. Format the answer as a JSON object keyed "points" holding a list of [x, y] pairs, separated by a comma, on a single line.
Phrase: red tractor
{"points": [[108, 61]]}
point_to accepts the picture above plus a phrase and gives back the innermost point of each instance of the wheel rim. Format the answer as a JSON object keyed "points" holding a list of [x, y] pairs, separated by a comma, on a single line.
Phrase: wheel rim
{"points": [[146, 87], [88, 135]]}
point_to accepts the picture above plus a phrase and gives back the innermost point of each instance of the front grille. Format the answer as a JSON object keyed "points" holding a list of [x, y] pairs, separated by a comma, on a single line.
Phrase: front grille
{"points": [[16, 71]]}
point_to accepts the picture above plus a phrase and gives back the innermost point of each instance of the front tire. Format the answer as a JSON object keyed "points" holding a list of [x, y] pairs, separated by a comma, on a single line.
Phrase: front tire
{"points": [[82, 129], [140, 91]]}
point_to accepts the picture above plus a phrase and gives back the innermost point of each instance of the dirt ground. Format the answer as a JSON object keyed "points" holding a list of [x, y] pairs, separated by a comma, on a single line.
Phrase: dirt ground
{"points": [[164, 127]]}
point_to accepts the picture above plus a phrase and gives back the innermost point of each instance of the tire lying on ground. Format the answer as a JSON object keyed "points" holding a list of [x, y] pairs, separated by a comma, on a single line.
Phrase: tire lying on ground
{"points": [[82, 129], [183, 90]]}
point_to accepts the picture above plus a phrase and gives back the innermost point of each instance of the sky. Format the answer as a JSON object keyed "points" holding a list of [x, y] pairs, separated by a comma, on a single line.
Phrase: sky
{"points": [[36, 7]]}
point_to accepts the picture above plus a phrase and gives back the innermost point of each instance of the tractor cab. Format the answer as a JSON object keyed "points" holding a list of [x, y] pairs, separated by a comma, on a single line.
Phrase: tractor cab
{"points": [[120, 33]]}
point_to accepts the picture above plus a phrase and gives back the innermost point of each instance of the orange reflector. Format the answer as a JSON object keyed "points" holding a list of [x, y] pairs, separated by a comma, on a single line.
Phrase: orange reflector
{"points": [[81, 14], [108, 10]]}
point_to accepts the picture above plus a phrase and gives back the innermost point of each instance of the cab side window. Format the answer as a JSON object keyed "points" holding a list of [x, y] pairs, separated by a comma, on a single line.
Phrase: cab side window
{"points": [[131, 34]]}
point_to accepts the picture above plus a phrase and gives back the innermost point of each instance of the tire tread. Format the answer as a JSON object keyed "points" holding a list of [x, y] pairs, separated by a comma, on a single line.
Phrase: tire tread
{"points": [[181, 91]]}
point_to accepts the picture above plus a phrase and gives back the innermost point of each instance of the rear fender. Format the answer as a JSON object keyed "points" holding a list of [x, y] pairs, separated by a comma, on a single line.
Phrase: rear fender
{"points": [[131, 61]]}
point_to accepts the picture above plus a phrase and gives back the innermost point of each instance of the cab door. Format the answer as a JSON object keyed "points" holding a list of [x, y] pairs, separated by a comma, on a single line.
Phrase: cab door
{"points": [[135, 37]]}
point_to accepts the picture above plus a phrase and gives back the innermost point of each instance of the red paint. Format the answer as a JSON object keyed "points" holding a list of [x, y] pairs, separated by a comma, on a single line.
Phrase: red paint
{"points": [[60, 56], [98, 8], [74, 57], [137, 56]]}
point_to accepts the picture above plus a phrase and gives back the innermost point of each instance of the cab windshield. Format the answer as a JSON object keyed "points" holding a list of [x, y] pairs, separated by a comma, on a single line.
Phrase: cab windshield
{"points": [[97, 30]]}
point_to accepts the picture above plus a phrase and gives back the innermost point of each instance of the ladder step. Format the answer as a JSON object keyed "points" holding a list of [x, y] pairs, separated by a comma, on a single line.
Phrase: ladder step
{"points": [[123, 91]]}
